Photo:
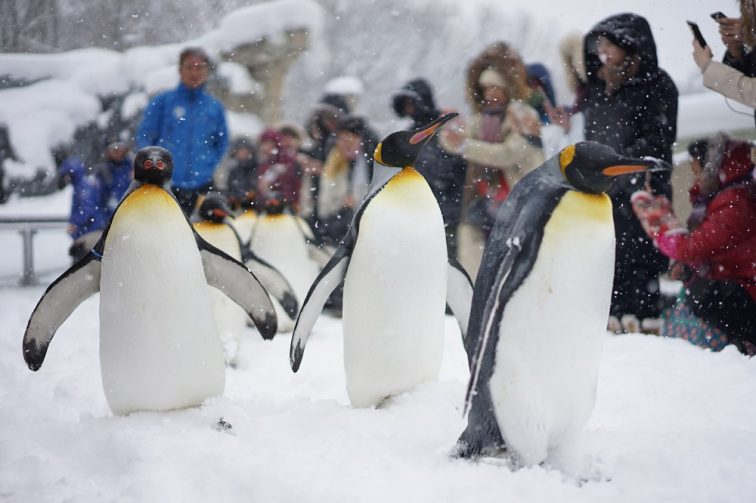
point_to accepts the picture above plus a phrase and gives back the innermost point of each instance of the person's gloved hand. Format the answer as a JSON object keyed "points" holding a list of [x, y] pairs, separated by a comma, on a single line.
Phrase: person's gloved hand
{"points": [[656, 217]]}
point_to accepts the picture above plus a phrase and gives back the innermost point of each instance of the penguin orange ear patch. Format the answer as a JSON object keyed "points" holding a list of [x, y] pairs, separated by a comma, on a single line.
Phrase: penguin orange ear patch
{"points": [[377, 155], [566, 156]]}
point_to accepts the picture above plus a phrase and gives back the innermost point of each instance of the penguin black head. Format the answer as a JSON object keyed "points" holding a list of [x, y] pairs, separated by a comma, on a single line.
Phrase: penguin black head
{"points": [[591, 167], [214, 208], [400, 149], [153, 165], [274, 204]]}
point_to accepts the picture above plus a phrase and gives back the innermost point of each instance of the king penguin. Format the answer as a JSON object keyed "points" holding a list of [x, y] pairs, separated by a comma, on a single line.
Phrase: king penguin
{"points": [[540, 307], [397, 279], [159, 349], [213, 226], [277, 237]]}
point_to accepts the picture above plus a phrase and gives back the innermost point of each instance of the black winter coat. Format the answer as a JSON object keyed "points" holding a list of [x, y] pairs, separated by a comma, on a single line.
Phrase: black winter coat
{"points": [[639, 119], [444, 172]]}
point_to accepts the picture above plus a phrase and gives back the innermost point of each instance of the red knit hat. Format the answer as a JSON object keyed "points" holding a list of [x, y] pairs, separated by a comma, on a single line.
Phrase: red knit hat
{"points": [[271, 135]]}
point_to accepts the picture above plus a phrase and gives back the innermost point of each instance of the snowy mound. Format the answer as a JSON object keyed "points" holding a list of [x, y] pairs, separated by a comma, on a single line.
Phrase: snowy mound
{"points": [[672, 422], [45, 114]]}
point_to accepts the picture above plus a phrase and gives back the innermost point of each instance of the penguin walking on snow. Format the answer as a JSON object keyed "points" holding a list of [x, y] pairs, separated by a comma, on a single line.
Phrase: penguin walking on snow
{"points": [[278, 238], [231, 320], [159, 348], [397, 280], [540, 307]]}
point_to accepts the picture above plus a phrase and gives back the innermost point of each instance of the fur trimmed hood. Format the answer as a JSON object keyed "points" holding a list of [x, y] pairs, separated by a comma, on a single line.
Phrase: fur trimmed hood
{"points": [[727, 161], [507, 62]]}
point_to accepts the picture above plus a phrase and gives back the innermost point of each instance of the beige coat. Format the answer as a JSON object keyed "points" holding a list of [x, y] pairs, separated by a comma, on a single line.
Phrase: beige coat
{"points": [[730, 82], [513, 155]]}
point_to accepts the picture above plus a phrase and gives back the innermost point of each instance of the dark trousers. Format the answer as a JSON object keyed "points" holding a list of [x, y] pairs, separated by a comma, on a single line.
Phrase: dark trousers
{"points": [[727, 306], [187, 198]]}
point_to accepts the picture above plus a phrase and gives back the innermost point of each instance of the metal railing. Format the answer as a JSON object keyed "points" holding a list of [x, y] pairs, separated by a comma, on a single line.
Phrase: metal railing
{"points": [[28, 227]]}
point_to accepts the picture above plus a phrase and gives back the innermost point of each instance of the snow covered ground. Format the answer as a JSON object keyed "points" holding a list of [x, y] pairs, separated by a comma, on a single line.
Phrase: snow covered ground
{"points": [[672, 423]]}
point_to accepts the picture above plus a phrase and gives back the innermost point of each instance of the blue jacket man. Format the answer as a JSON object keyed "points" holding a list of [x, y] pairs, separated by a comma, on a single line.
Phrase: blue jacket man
{"points": [[191, 124]]}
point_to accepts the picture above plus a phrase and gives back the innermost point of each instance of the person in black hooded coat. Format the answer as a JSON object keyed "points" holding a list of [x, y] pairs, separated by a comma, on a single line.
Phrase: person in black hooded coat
{"points": [[631, 105], [444, 172]]}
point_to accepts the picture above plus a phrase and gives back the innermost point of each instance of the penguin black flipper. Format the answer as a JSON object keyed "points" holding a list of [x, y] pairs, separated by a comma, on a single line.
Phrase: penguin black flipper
{"points": [[240, 285], [317, 250], [329, 278], [459, 293], [333, 273], [319, 254], [273, 281], [79, 282], [511, 252]]}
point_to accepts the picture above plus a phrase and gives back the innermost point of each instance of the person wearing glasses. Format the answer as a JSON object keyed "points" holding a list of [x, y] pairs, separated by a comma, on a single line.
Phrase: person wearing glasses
{"points": [[191, 124]]}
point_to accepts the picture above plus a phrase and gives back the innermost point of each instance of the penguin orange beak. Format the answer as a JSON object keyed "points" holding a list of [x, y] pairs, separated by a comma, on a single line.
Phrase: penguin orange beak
{"points": [[624, 169], [217, 212], [431, 128]]}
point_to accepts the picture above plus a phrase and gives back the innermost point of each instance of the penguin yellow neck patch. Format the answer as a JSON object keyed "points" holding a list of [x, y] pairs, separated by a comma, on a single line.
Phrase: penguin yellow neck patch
{"points": [[566, 156], [207, 226], [586, 206], [145, 199]]}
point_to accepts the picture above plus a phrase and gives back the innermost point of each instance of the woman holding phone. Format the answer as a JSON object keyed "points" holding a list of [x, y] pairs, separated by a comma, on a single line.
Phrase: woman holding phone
{"points": [[734, 76]]}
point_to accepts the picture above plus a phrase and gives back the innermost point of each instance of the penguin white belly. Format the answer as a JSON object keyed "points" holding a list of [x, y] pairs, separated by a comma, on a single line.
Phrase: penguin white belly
{"points": [[159, 348], [230, 319], [244, 224], [551, 334], [395, 293], [279, 241]]}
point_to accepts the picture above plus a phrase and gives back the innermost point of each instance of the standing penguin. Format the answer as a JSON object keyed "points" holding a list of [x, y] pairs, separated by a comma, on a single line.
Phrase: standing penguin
{"points": [[541, 305], [397, 278], [159, 348], [277, 237], [245, 220], [230, 319]]}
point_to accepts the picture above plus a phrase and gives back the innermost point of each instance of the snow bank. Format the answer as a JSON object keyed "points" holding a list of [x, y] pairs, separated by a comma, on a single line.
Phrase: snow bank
{"points": [[269, 20], [47, 113], [672, 422]]}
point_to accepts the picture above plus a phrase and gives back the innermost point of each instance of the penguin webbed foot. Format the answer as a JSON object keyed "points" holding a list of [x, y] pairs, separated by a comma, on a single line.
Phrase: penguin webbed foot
{"points": [[479, 441], [475, 450]]}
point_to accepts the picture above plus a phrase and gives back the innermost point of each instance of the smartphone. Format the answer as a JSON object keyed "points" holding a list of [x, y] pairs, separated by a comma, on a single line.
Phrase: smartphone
{"points": [[717, 15], [697, 33]]}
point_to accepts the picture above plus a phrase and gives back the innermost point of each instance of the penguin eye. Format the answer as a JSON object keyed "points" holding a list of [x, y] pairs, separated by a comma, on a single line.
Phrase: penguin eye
{"points": [[160, 164], [147, 164]]}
